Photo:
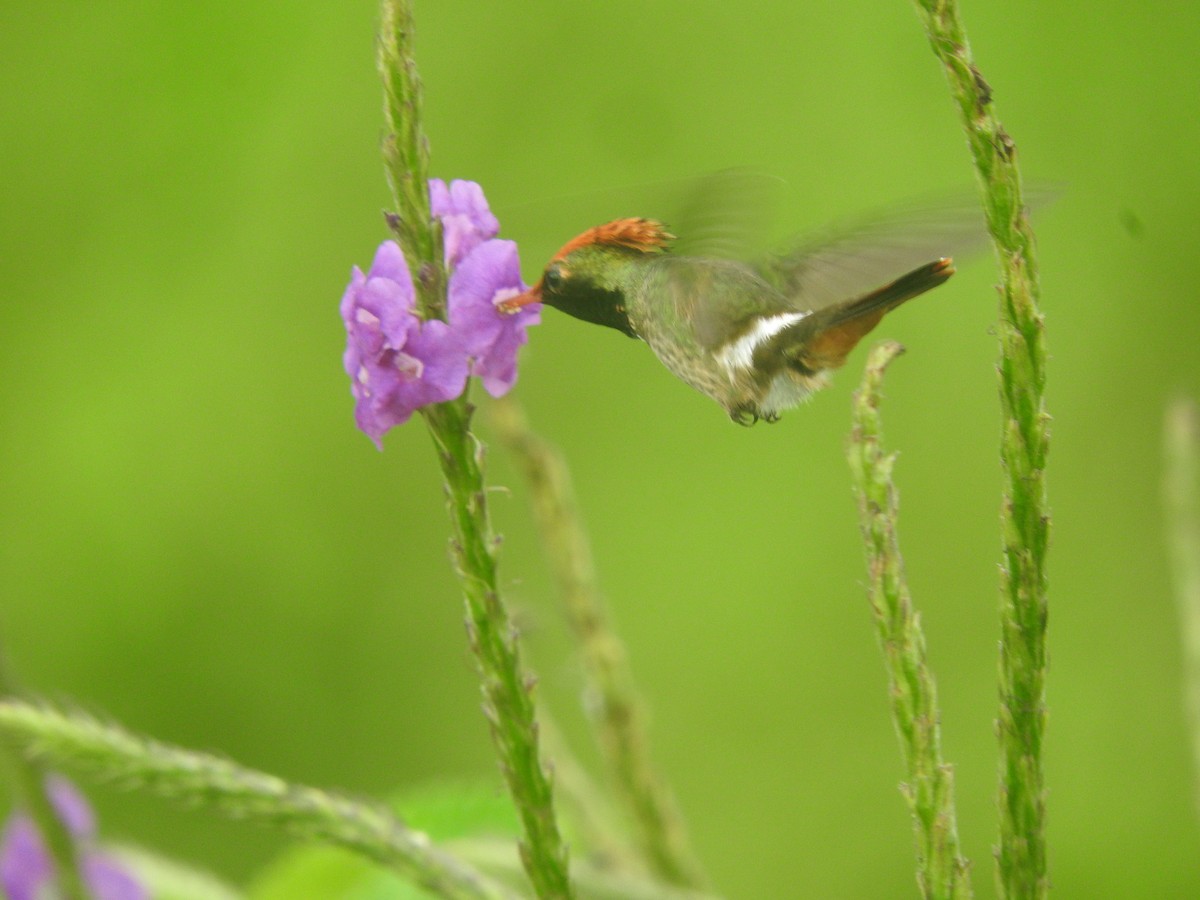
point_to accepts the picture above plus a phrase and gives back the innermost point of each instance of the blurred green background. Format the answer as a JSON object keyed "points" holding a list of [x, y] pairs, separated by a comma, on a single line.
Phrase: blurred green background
{"points": [[197, 542]]}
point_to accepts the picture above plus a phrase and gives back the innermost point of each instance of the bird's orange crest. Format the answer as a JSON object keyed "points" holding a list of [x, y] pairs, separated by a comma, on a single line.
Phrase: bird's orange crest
{"points": [[644, 235]]}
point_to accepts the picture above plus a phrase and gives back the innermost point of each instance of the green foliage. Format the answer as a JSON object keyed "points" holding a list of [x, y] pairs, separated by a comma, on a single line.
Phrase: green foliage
{"points": [[321, 871], [941, 870], [169, 879], [1025, 513], [445, 812]]}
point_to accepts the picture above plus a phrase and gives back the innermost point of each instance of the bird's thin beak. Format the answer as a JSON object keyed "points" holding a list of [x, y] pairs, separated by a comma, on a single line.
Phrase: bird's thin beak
{"points": [[512, 304]]}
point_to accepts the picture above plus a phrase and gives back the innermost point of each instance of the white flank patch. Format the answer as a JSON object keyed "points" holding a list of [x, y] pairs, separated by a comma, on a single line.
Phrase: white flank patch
{"points": [[739, 354]]}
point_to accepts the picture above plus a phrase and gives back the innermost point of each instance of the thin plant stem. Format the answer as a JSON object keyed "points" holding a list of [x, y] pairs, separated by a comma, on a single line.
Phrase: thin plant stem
{"points": [[941, 870], [197, 779], [406, 158], [1181, 489], [30, 778], [507, 689], [1025, 515], [618, 712]]}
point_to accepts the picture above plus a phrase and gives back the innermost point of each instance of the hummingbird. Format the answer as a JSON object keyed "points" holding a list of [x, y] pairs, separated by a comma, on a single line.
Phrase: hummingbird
{"points": [[758, 337]]}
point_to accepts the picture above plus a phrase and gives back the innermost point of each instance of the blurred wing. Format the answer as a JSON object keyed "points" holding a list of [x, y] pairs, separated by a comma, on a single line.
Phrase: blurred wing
{"points": [[855, 258], [726, 214]]}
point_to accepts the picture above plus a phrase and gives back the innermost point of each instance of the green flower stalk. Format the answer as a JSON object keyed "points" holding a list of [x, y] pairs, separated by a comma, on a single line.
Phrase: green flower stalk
{"points": [[941, 871], [1025, 515], [620, 717], [586, 809], [507, 689], [34, 791], [406, 157], [1181, 488], [196, 779]]}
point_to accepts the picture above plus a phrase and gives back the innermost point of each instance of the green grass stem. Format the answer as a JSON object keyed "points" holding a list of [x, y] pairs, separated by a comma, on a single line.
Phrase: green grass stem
{"points": [[1025, 515], [586, 809], [30, 780], [406, 158], [1181, 488], [929, 789], [618, 712], [507, 689], [110, 753]]}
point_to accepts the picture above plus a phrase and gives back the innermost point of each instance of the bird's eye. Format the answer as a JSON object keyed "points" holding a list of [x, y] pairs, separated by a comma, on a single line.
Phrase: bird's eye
{"points": [[552, 279]]}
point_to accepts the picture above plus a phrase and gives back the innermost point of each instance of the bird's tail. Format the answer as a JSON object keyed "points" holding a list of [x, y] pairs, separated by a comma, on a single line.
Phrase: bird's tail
{"points": [[831, 333]]}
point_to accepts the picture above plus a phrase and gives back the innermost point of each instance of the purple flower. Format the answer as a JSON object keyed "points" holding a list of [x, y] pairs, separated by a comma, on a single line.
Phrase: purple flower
{"points": [[26, 870], [399, 362], [396, 361], [466, 220], [489, 274]]}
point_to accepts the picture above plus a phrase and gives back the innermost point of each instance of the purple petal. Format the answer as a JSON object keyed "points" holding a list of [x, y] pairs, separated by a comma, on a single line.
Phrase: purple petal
{"points": [[389, 262], [24, 863], [387, 391], [491, 269], [498, 374], [396, 362], [376, 307], [444, 357], [357, 278], [26, 871], [385, 307], [71, 807], [491, 273], [108, 881], [466, 220], [439, 196], [498, 368]]}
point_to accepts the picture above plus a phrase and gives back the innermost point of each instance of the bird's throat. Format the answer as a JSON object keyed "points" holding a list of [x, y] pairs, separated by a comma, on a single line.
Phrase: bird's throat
{"points": [[595, 304]]}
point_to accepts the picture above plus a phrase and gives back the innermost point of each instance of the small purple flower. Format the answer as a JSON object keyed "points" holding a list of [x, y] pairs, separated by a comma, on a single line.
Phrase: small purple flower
{"points": [[397, 362], [466, 220], [26, 870], [489, 274]]}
